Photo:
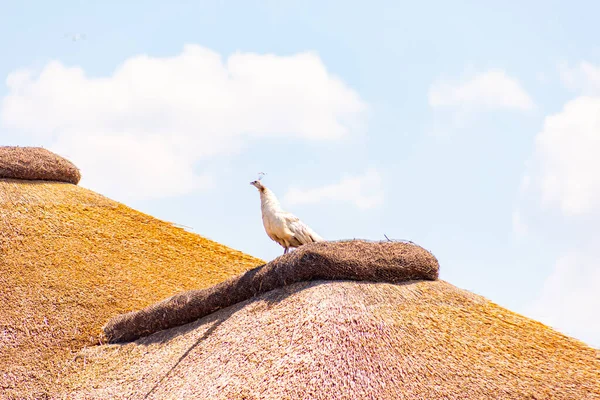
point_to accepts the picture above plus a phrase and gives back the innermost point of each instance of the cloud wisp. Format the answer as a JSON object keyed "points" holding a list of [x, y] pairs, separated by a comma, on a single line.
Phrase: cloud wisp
{"points": [[490, 90], [363, 191]]}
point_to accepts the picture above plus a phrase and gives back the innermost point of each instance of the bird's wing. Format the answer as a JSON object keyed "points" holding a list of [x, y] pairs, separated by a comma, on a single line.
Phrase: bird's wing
{"points": [[301, 232], [271, 227]]}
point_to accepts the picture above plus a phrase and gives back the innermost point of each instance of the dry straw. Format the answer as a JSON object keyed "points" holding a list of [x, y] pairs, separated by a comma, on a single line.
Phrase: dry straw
{"points": [[36, 164], [353, 260], [346, 340], [69, 260]]}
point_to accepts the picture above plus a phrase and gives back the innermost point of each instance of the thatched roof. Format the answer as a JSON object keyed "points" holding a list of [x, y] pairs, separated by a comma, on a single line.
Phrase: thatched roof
{"points": [[36, 164], [346, 340], [70, 259]]}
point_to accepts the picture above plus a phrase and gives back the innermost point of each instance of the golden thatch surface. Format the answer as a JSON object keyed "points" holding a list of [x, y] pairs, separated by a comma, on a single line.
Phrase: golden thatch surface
{"points": [[346, 340], [70, 259], [357, 260], [37, 164]]}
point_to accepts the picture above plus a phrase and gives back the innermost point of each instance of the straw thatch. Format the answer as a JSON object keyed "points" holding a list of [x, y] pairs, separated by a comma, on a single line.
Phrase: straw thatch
{"points": [[69, 260], [354, 260], [36, 164], [346, 340]]}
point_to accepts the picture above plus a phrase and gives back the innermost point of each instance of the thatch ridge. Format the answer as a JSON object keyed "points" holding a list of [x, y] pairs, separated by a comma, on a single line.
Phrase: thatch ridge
{"points": [[358, 260], [36, 164]]}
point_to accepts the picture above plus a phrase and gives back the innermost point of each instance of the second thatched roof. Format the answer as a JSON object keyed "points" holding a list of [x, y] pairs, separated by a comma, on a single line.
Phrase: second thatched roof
{"points": [[69, 260]]}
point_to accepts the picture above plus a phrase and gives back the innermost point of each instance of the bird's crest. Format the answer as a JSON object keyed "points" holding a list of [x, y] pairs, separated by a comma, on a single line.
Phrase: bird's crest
{"points": [[261, 175]]}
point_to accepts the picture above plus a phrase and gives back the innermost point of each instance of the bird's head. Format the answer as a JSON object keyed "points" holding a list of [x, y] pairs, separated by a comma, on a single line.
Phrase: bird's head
{"points": [[257, 184]]}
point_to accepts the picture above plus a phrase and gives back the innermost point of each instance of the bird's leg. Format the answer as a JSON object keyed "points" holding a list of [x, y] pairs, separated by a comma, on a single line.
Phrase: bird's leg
{"points": [[285, 250]]}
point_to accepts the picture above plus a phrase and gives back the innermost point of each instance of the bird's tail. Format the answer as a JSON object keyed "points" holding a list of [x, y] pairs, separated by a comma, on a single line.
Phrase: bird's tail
{"points": [[315, 236]]}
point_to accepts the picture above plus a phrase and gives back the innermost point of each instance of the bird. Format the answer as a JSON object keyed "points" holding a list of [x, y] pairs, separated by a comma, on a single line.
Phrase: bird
{"points": [[281, 226]]}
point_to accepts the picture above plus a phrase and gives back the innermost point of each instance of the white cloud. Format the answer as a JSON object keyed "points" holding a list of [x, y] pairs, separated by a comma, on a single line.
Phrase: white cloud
{"points": [[569, 300], [363, 191], [566, 164], [564, 171], [141, 131], [489, 90], [585, 77]]}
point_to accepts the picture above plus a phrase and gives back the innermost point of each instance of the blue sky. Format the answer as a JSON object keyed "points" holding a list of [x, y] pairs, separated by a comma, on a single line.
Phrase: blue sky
{"points": [[470, 129]]}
